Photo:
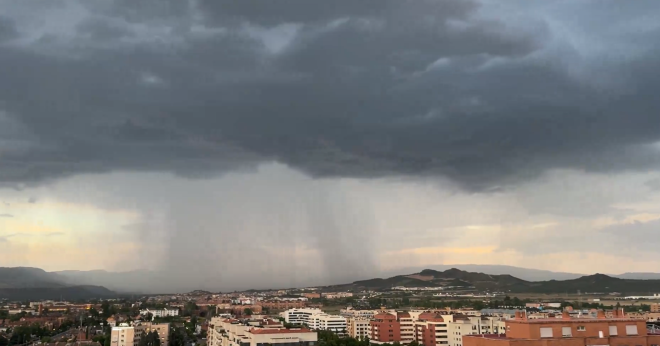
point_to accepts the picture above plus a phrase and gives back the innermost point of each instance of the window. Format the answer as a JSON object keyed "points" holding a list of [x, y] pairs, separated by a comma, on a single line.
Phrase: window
{"points": [[581, 328], [631, 329], [546, 332], [613, 330], [566, 332]]}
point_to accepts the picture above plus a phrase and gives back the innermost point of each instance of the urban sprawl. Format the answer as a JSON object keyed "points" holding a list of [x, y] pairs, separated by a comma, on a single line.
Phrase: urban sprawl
{"points": [[309, 317]]}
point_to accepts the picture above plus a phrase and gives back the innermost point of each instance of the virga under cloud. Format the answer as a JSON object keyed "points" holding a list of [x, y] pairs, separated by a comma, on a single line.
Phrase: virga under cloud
{"points": [[484, 95]]}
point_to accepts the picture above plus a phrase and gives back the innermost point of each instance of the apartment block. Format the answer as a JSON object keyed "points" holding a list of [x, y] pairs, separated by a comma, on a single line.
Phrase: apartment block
{"points": [[431, 329], [407, 326], [618, 330], [315, 319], [228, 332], [385, 328], [350, 312], [160, 312], [655, 307], [123, 336], [333, 323], [163, 330], [358, 327]]}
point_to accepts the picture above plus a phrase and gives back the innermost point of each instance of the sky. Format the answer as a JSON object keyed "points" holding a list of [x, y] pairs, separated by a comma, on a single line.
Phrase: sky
{"points": [[296, 142]]}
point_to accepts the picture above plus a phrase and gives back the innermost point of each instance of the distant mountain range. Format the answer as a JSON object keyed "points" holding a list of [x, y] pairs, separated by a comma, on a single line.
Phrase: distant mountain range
{"points": [[100, 283], [460, 279], [25, 283]]}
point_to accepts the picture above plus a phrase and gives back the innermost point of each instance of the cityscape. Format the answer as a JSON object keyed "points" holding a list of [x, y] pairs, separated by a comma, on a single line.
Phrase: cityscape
{"points": [[329, 173], [413, 313]]}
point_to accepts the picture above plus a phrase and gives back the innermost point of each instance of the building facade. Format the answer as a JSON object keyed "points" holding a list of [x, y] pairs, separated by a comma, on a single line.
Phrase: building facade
{"points": [[618, 330], [123, 336], [385, 328], [160, 312], [163, 330], [315, 319], [358, 327], [228, 332]]}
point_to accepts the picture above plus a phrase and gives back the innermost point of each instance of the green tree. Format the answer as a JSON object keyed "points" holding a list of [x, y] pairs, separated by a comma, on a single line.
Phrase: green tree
{"points": [[105, 310], [177, 337], [247, 312], [150, 339], [3, 341]]}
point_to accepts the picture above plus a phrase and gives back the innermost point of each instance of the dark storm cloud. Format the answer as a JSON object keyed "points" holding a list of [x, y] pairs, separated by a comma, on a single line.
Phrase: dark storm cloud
{"points": [[373, 88], [7, 29], [301, 11]]}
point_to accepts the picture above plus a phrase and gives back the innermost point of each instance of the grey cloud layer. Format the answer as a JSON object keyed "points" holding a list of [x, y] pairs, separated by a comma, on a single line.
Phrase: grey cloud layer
{"points": [[364, 89]]}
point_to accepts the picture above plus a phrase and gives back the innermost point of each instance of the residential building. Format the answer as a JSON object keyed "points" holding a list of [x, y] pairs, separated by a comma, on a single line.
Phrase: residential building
{"points": [[407, 327], [385, 328], [228, 332], [323, 321], [163, 330], [283, 304], [350, 312], [337, 295], [618, 330], [160, 312], [123, 336], [358, 327], [464, 326], [431, 329], [112, 322], [655, 307], [299, 316], [240, 309]]}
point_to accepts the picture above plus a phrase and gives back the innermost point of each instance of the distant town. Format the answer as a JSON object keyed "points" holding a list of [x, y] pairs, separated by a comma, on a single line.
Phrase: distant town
{"points": [[397, 315]]}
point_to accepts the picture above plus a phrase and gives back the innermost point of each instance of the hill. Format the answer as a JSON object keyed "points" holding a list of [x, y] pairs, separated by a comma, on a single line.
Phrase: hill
{"points": [[23, 277], [459, 279], [25, 283], [518, 272], [56, 293]]}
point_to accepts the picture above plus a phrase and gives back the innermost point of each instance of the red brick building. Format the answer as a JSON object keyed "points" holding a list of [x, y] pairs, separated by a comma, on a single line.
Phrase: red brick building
{"points": [[284, 304], [385, 328], [567, 331], [431, 329]]}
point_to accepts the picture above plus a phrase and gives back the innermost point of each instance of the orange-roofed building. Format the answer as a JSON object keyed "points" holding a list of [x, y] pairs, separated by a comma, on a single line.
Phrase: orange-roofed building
{"points": [[431, 329], [385, 328], [619, 330]]}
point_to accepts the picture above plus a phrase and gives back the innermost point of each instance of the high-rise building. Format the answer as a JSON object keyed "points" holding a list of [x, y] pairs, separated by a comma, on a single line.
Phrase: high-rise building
{"points": [[163, 330], [385, 328], [358, 327], [123, 336]]}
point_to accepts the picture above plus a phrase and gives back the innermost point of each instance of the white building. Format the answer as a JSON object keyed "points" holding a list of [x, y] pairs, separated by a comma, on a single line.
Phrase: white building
{"points": [[333, 323], [160, 313], [315, 319], [350, 312], [473, 325], [227, 332]]}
